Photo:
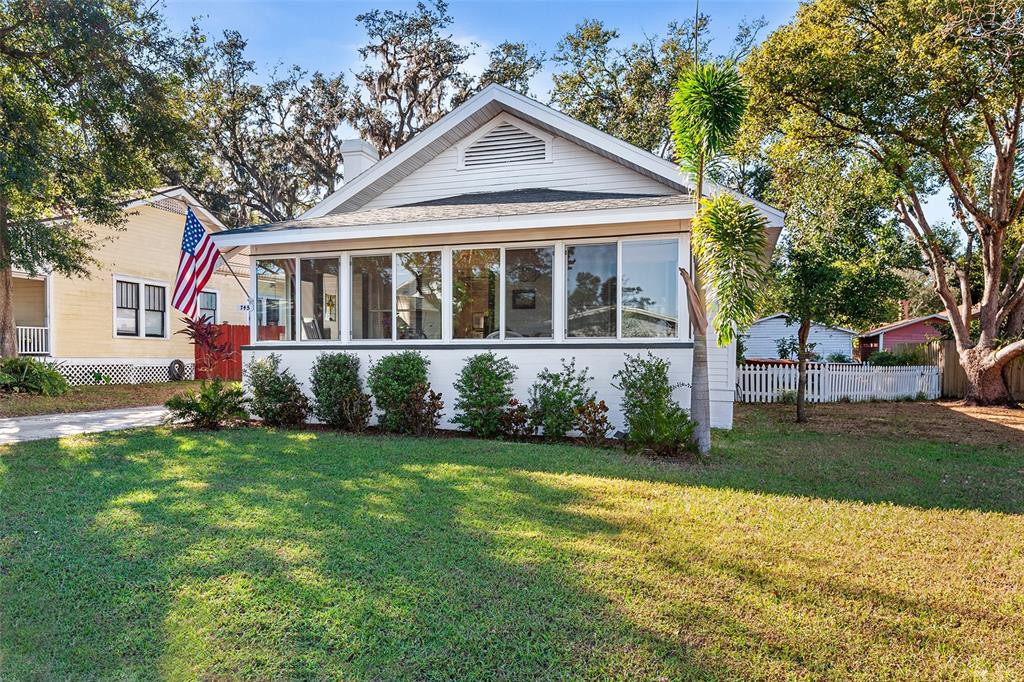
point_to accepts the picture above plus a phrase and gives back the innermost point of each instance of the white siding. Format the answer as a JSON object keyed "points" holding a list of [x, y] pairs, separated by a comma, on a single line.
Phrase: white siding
{"points": [[761, 338], [603, 362], [571, 168]]}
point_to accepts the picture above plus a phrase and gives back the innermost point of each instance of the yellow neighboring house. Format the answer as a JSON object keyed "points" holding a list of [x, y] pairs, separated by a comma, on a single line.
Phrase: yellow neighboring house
{"points": [[118, 322]]}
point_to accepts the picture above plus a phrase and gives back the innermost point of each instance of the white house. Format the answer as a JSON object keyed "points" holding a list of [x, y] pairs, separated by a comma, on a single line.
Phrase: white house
{"points": [[761, 339], [505, 226]]}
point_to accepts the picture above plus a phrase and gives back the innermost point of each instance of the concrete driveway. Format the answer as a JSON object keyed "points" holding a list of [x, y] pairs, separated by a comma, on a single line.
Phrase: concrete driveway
{"points": [[18, 429]]}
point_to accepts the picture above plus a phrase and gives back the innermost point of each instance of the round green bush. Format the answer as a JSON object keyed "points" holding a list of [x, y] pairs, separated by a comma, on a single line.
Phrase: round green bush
{"points": [[277, 398], [484, 390], [391, 380], [338, 398]]}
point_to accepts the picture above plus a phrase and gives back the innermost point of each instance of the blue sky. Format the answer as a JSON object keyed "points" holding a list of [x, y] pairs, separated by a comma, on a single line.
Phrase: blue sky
{"points": [[323, 35]]}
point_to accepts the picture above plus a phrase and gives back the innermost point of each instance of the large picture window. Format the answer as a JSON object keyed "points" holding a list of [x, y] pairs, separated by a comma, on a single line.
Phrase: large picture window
{"points": [[319, 298], [371, 297], [650, 282], [418, 295], [590, 290], [529, 292], [476, 279], [275, 300]]}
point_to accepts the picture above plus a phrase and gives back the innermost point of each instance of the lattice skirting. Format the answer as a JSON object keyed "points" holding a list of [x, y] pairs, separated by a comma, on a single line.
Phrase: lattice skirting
{"points": [[79, 372]]}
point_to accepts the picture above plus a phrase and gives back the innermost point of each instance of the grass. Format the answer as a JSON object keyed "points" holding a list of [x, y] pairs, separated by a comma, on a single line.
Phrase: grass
{"points": [[90, 398], [256, 554]]}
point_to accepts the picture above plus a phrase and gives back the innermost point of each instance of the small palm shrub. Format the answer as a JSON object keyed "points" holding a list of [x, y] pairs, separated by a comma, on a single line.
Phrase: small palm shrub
{"points": [[338, 397], [277, 398], [484, 389], [392, 380], [555, 396], [592, 422], [217, 403], [654, 421], [420, 412], [28, 375]]}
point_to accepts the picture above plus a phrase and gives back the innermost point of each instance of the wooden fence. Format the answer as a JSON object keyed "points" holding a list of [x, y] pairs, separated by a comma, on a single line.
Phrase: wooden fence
{"points": [[235, 334], [832, 382], [943, 355]]}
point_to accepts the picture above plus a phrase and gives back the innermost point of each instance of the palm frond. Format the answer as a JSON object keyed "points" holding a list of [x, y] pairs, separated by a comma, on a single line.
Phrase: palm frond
{"points": [[729, 241], [707, 107]]}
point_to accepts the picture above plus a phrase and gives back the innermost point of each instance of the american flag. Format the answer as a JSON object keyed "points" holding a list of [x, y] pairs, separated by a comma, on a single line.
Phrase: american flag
{"points": [[198, 258]]}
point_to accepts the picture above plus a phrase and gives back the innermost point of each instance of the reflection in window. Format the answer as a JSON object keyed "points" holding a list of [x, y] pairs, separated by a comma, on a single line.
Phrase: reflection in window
{"points": [[371, 297], [275, 300], [208, 306], [590, 290], [528, 292], [475, 283], [127, 309], [649, 284], [418, 295], [319, 298]]}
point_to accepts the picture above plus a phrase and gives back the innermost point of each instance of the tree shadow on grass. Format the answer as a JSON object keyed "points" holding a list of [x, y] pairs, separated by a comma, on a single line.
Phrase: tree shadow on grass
{"points": [[234, 556]]}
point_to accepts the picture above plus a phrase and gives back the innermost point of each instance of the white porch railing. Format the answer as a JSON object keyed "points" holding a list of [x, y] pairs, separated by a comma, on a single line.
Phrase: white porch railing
{"points": [[827, 383], [33, 340]]}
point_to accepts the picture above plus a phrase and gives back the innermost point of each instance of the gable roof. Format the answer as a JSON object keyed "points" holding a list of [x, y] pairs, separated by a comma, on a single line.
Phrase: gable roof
{"points": [[165, 197], [941, 317], [476, 112], [815, 324]]}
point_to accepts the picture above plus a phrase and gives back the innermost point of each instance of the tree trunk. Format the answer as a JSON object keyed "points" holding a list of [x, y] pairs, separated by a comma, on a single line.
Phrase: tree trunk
{"points": [[8, 332], [986, 384], [700, 394], [801, 389]]}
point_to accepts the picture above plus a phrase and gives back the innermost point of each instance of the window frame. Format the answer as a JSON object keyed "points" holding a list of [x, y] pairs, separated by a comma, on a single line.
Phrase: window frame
{"points": [[559, 308], [216, 308], [140, 317], [144, 309]]}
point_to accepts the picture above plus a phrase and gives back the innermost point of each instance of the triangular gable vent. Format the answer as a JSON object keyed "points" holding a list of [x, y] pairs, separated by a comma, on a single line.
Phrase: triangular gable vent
{"points": [[505, 144]]}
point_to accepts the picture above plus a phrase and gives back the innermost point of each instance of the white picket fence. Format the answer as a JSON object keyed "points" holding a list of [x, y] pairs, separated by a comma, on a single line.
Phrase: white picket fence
{"points": [[829, 382]]}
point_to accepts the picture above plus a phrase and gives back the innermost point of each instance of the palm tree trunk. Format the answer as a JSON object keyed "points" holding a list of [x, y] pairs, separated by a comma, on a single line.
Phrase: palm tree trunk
{"points": [[700, 394]]}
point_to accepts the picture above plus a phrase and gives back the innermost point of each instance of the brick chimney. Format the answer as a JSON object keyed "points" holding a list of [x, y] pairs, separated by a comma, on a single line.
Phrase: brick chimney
{"points": [[356, 157]]}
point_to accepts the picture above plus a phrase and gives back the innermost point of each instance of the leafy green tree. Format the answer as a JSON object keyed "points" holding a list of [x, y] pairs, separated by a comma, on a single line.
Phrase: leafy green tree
{"points": [[932, 91], [728, 237], [842, 259], [90, 109]]}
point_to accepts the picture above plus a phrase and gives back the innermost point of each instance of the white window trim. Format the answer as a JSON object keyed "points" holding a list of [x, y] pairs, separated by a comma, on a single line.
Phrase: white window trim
{"points": [[254, 313], [115, 278], [559, 308], [501, 119]]}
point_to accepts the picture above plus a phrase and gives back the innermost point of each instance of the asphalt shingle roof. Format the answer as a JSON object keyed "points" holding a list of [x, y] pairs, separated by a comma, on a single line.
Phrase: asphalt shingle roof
{"points": [[481, 205]]}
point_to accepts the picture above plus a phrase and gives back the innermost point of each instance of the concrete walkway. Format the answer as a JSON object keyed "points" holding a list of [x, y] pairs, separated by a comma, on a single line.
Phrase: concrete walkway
{"points": [[18, 429]]}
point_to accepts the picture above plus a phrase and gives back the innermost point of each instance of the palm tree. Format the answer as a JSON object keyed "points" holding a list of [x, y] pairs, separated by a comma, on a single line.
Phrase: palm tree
{"points": [[728, 237]]}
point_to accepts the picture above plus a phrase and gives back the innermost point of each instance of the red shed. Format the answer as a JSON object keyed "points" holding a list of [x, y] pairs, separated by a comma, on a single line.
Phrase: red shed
{"points": [[913, 330]]}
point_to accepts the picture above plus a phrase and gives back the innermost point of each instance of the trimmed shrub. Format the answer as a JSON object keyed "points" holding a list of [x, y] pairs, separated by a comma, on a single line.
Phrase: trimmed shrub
{"points": [[392, 380], [338, 397], [903, 358], [277, 398], [839, 357], [655, 422], [516, 421], [484, 389], [555, 396], [217, 403], [28, 375], [592, 422]]}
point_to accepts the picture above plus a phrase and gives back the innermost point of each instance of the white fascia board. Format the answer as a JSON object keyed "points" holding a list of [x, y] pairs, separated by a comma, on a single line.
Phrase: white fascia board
{"points": [[527, 106], [461, 226]]}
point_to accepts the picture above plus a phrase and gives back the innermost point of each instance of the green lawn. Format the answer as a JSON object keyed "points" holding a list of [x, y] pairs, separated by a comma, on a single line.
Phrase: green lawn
{"points": [[257, 554]]}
